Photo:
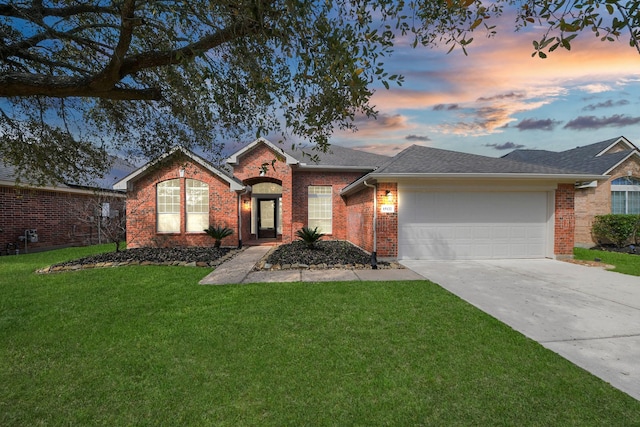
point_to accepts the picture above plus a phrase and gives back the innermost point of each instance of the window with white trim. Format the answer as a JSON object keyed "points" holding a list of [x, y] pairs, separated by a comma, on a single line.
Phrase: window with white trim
{"points": [[197, 194], [168, 206], [320, 208], [625, 195]]}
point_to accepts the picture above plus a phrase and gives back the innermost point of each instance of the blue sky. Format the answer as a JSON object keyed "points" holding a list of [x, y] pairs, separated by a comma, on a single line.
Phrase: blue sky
{"points": [[499, 98]]}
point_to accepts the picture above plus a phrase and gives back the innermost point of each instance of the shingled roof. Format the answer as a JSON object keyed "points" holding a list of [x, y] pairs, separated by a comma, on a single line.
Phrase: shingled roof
{"points": [[592, 158], [427, 160]]}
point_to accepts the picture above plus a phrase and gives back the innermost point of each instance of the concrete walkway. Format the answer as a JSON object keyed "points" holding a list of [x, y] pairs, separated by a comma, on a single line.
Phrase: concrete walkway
{"points": [[588, 315], [239, 269]]}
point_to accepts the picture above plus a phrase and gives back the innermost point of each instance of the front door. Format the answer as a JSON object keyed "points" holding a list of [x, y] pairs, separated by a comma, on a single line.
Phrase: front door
{"points": [[267, 226]]}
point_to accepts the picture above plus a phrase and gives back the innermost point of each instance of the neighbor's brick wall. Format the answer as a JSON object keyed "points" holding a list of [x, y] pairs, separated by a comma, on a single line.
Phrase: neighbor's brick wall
{"points": [[564, 220], [249, 167], [337, 181], [597, 201], [59, 217], [141, 208]]}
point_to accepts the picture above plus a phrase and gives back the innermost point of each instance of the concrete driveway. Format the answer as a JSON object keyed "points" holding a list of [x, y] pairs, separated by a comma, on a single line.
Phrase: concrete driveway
{"points": [[586, 314]]}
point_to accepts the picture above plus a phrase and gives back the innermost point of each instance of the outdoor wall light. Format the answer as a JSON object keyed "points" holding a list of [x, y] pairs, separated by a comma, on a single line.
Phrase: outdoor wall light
{"points": [[181, 172], [389, 195]]}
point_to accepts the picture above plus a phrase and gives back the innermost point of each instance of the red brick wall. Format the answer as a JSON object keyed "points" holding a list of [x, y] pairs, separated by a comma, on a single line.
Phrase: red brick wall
{"points": [[60, 218], [387, 222], [141, 208], [360, 220], [249, 167], [337, 180], [564, 220]]}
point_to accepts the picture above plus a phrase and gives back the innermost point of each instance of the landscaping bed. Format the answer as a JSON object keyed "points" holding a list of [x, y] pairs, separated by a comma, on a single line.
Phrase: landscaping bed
{"points": [[325, 254]]}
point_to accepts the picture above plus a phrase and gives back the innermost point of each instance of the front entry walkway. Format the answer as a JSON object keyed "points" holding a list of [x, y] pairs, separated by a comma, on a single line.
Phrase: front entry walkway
{"points": [[586, 314]]}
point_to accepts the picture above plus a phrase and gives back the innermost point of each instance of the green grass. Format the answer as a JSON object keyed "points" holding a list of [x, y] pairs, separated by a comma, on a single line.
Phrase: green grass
{"points": [[148, 346], [624, 263]]}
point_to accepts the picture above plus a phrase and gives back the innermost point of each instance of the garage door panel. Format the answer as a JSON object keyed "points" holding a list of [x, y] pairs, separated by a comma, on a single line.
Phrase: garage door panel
{"points": [[460, 225]]}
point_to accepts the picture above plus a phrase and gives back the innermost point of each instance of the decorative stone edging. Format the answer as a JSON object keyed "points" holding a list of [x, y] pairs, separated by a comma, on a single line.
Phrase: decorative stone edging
{"points": [[77, 267], [265, 266]]}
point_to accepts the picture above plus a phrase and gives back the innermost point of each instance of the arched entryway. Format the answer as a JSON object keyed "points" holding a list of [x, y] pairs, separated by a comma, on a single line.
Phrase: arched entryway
{"points": [[266, 208]]}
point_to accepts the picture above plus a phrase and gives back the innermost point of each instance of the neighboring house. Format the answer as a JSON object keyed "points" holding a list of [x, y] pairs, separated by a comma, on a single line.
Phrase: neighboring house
{"points": [[617, 158], [34, 218], [423, 203]]}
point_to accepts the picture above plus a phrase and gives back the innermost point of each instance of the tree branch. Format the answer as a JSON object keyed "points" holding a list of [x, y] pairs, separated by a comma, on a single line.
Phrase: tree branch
{"points": [[13, 11], [26, 84]]}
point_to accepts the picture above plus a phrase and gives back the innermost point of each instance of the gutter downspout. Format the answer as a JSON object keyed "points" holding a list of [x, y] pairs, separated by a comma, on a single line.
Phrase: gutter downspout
{"points": [[374, 253]]}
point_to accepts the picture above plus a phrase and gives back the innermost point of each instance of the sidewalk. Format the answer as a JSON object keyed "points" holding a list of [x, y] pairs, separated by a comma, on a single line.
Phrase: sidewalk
{"points": [[239, 269]]}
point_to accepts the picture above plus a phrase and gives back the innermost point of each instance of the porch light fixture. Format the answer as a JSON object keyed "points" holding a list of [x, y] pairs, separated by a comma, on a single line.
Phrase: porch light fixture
{"points": [[181, 172], [389, 196]]}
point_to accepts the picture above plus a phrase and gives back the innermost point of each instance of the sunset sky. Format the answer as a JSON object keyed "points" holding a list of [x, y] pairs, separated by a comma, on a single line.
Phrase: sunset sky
{"points": [[499, 98]]}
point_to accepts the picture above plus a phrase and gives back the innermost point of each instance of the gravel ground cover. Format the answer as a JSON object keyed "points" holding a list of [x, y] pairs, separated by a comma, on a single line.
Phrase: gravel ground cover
{"points": [[328, 253]]}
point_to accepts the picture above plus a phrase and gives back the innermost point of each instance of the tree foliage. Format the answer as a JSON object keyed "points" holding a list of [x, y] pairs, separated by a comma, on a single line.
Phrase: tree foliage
{"points": [[78, 79]]}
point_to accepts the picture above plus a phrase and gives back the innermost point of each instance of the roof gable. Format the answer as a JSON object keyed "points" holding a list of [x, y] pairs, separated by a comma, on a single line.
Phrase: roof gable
{"points": [[234, 159], [307, 157], [123, 184]]}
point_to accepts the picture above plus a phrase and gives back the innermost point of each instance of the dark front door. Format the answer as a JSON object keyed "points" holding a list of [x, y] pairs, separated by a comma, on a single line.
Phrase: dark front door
{"points": [[267, 226]]}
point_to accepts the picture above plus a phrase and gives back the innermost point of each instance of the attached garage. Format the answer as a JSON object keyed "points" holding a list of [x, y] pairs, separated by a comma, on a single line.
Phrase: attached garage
{"points": [[440, 204], [474, 225]]}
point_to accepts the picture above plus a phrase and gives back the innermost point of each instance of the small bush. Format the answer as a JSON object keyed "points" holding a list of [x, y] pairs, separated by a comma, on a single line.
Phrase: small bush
{"points": [[615, 228], [218, 233], [309, 236]]}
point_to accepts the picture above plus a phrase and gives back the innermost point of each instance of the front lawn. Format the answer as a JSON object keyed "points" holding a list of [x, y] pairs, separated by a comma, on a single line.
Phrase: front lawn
{"points": [[624, 263], [146, 345]]}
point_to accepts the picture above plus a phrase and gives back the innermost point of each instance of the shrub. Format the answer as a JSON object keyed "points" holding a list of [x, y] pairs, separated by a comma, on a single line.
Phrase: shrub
{"points": [[309, 236], [615, 228], [218, 233]]}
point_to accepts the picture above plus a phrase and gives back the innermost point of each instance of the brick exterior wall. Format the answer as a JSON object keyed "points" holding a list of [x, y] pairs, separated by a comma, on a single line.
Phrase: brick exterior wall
{"points": [[597, 201], [61, 218], [337, 181], [564, 230], [387, 222], [141, 207], [248, 170], [360, 220]]}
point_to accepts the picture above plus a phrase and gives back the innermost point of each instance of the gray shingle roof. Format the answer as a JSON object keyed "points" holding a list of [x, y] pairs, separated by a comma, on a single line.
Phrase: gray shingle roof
{"points": [[426, 160], [581, 159], [337, 156]]}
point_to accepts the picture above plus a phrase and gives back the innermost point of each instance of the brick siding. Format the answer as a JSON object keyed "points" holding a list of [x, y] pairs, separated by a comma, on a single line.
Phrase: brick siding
{"points": [[564, 231], [597, 201], [141, 208], [61, 218]]}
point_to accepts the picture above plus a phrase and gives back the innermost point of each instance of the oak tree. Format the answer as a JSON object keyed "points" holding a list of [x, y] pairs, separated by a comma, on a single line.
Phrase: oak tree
{"points": [[79, 79]]}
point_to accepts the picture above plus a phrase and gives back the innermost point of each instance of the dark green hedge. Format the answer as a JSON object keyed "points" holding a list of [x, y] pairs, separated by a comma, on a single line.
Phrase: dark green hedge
{"points": [[615, 228]]}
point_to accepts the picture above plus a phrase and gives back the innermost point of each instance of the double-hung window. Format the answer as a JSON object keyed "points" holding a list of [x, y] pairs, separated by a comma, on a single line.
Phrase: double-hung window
{"points": [[625, 195], [168, 206], [320, 208], [197, 206]]}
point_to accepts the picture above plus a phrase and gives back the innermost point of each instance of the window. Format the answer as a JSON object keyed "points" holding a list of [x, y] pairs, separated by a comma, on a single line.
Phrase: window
{"points": [[625, 195], [168, 201], [320, 210], [197, 206]]}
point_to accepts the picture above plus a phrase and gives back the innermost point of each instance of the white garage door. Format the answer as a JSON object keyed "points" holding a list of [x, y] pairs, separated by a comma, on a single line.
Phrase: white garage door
{"points": [[465, 225]]}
